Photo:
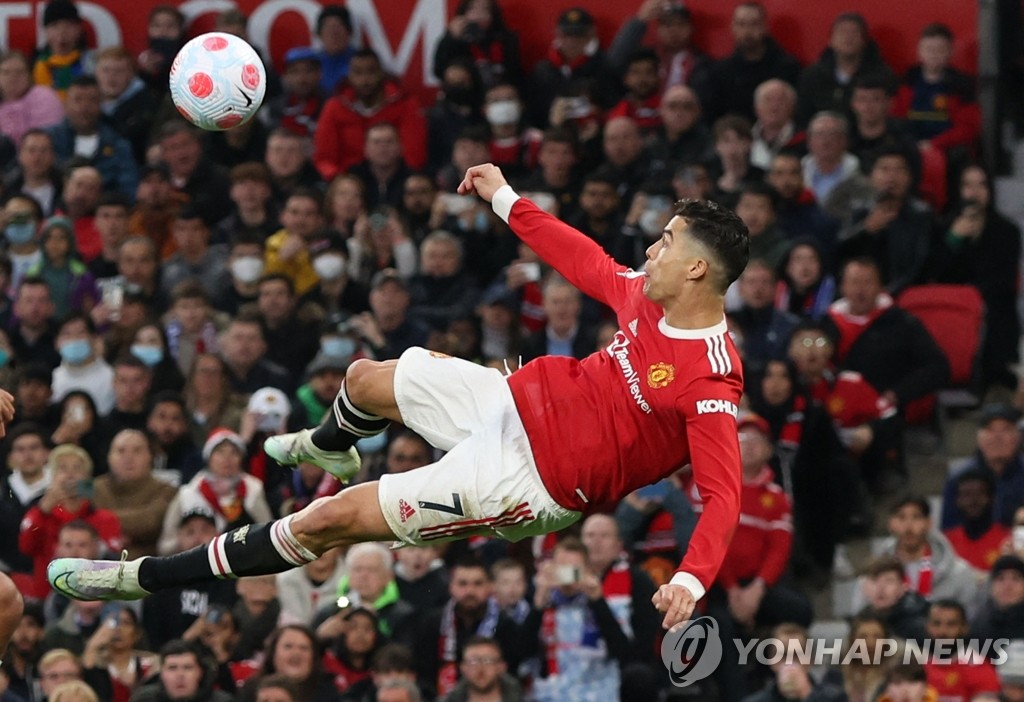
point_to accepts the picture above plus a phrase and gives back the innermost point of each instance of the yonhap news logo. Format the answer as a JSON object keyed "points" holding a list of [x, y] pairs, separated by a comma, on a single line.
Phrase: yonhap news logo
{"points": [[692, 652]]}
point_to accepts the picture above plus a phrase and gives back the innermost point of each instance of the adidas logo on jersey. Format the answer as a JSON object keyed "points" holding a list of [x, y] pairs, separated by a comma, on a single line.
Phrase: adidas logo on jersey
{"points": [[632, 327], [716, 406]]}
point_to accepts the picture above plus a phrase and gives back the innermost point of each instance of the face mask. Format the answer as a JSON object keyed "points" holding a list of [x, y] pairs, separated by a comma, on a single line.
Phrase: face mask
{"points": [[329, 266], [247, 269], [338, 346], [150, 355], [75, 352], [20, 233], [503, 112]]}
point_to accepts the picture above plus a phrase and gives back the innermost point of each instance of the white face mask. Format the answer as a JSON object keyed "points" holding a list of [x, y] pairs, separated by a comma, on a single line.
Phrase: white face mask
{"points": [[247, 269], [329, 266], [503, 112]]}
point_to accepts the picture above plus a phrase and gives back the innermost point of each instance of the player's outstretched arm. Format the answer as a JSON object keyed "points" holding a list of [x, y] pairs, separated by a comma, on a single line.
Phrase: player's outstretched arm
{"points": [[576, 256], [10, 611]]}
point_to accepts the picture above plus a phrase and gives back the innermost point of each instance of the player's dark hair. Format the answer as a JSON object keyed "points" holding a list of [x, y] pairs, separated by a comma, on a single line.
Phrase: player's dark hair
{"points": [[720, 231], [912, 501], [937, 29], [953, 605]]}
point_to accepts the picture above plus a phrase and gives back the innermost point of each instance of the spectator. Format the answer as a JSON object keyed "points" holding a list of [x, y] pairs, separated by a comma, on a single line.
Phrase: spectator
{"points": [[512, 146], [81, 425], [885, 588], [165, 35], [348, 660], [978, 248], [289, 250], [680, 63], [1002, 616], [76, 539], [345, 202], [564, 333], [24, 651], [851, 53], [755, 205], [896, 229], [132, 493], [909, 364], [681, 137], [126, 102], [775, 128], [184, 676], [766, 330], [195, 257], [937, 100], [458, 106], [150, 346], [998, 454], [138, 265], [978, 538], [303, 590], [33, 336], [32, 394], [1011, 674], [575, 66], [862, 677], [484, 674], [805, 287], [83, 134], [245, 266], [209, 398], [24, 105], [967, 674], [83, 185], [334, 31], [255, 214], [234, 497], [441, 292], [114, 647], [337, 295], [293, 651], [298, 108], [288, 160], [36, 174], [387, 328], [873, 130], [191, 329], [290, 332], [217, 630], [477, 33], [132, 383], [908, 683], [642, 100], [624, 156], [368, 98], [243, 349], [798, 212], [205, 184], [111, 221], [176, 455], [556, 169], [314, 399], [792, 677], [420, 574], [510, 585], [28, 478], [82, 367], [59, 666], [471, 145], [63, 57], [828, 163], [67, 498], [23, 216], [72, 286], [757, 57], [383, 169], [732, 143], [931, 566], [156, 204]]}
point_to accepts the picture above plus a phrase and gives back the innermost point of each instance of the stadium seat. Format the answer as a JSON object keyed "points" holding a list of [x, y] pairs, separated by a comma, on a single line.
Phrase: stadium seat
{"points": [[933, 178], [954, 316]]}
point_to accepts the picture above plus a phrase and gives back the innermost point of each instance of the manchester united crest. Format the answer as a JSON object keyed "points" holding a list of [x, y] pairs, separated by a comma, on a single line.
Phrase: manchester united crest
{"points": [[660, 374]]}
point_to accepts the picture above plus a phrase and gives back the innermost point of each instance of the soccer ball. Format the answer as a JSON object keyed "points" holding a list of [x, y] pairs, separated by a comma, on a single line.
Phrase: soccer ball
{"points": [[218, 81]]}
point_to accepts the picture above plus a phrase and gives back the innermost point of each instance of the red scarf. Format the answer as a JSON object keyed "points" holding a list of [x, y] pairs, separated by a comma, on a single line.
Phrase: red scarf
{"points": [[793, 428], [924, 575], [447, 643], [564, 65], [493, 53], [532, 308], [851, 327], [232, 510]]}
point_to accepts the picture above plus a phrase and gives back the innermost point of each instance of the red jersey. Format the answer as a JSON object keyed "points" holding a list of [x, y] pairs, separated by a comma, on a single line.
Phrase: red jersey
{"points": [[961, 681], [656, 399], [981, 552]]}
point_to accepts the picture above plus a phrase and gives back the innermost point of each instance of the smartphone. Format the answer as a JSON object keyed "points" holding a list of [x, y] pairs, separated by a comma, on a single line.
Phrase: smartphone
{"points": [[83, 488], [577, 108], [76, 413], [567, 575], [531, 271], [112, 294]]}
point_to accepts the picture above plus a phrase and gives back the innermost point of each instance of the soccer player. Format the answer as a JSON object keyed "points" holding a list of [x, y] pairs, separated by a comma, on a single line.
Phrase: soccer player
{"points": [[11, 604], [527, 453]]}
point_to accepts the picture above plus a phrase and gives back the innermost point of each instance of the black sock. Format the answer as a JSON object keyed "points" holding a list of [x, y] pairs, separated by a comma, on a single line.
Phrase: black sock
{"points": [[258, 549], [346, 424]]}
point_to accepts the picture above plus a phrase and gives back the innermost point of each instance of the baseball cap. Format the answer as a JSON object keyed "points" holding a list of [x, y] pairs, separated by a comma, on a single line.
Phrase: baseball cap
{"points": [[388, 275], [301, 53], [324, 362], [197, 512], [575, 22], [270, 401], [998, 410], [1007, 562], [218, 437], [753, 421], [58, 10]]}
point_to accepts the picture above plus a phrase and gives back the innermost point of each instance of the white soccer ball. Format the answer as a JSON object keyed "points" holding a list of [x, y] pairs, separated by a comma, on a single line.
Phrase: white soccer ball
{"points": [[218, 81]]}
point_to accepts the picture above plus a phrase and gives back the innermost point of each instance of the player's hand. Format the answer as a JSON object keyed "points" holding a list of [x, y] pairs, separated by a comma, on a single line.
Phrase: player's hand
{"points": [[484, 180], [6, 411], [676, 601]]}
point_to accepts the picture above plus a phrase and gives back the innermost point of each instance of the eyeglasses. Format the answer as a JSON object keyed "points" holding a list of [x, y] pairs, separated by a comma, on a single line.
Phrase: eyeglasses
{"points": [[819, 341], [481, 661]]}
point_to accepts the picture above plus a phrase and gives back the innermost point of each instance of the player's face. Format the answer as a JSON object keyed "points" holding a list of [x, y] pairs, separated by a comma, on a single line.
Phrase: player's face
{"points": [[670, 260]]}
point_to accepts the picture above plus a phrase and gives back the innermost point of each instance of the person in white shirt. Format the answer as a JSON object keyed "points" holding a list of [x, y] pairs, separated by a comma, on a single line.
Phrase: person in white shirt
{"points": [[82, 366]]}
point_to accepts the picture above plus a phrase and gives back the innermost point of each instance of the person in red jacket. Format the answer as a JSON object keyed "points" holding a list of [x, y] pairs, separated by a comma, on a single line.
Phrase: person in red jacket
{"points": [[965, 677], [66, 500], [365, 99]]}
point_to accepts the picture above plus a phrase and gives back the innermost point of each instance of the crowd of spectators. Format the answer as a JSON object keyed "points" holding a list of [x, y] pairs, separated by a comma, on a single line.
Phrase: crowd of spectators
{"points": [[169, 298]]}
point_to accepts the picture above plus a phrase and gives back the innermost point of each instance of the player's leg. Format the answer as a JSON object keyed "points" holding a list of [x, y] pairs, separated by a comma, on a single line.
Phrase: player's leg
{"points": [[351, 516], [364, 407], [10, 611]]}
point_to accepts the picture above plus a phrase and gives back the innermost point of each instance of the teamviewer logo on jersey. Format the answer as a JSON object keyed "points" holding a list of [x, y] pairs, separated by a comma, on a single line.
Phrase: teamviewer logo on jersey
{"points": [[693, 652], [716, 406]]}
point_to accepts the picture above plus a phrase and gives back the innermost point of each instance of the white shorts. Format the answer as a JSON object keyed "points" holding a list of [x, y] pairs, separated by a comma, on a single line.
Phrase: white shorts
{"points": [[487, 484]]}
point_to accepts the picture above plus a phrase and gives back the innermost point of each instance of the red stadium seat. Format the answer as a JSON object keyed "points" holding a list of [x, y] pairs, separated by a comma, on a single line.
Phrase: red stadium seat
{"points": [[954, 316], [933, 178]]}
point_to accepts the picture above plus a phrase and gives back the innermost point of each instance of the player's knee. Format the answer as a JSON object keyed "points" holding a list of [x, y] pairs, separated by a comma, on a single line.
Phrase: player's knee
{"points": [[323, 525], [359, 380]]}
